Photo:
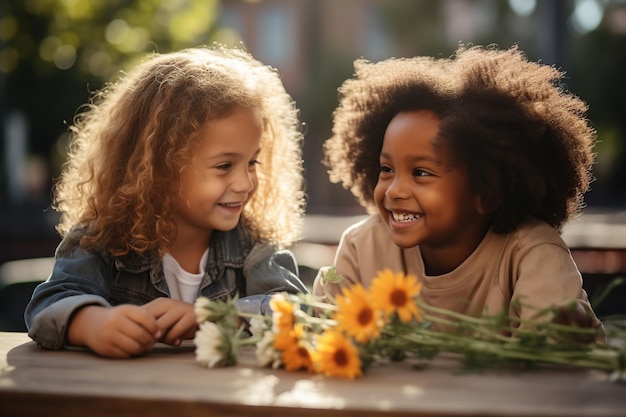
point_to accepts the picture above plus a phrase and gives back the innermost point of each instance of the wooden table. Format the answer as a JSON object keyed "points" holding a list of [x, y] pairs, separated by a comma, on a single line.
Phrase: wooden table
{"points": [[169, 382]]}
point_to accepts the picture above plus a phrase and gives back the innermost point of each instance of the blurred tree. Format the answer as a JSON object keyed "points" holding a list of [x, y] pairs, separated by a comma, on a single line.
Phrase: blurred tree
{"points": [[54, 52], [416, 26], [599, 76]]}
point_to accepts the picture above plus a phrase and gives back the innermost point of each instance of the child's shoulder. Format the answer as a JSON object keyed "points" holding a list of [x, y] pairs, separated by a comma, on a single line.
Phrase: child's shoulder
{"points": [[73, 247], [369, 226], [536, 232], [71, 241]]}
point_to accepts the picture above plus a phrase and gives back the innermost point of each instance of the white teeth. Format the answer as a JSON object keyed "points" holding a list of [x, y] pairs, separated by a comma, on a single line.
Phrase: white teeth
{"points": [[231, 204], [405, 217]]}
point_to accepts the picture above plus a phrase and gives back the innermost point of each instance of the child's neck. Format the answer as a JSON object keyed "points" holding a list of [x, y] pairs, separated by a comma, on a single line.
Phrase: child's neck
{"points": [[188, 249], [439, 261]]}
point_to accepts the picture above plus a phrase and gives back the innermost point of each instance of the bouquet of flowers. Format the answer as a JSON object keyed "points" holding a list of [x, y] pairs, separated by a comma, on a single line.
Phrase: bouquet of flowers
{"points": [[342, 336]]}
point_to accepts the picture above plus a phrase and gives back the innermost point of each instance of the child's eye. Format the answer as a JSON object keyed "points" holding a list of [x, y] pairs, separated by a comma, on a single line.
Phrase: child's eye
{"points": [[252, 163], [385, 169], [420, 173], [225, 166]]}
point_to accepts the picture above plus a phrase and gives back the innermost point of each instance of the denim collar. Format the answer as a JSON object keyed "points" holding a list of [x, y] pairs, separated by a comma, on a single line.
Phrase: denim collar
{"points": [[227, 249]]}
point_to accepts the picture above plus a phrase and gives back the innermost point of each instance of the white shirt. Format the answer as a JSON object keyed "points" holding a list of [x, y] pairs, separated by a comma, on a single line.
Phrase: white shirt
{"points": [[182, 284]]}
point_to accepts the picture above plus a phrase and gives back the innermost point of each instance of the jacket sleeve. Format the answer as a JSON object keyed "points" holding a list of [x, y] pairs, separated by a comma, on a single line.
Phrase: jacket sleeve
{"points": [[268, 270], [78, 278]]}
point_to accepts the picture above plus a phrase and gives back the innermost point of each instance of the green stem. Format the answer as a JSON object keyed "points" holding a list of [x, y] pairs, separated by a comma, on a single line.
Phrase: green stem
{"points": [[601, 357], [250, 315], [478, 329], [546, 326]]}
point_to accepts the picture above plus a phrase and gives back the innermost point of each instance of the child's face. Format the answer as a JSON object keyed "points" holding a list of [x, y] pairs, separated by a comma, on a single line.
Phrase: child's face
{"points": [[221, 176], [424, 198]]}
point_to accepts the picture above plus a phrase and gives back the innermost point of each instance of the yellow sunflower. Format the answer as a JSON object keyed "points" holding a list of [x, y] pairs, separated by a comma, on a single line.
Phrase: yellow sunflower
{"points": [[396, 293], [294, 351], [282, 314], [335, 355], [356, 315], [297, 356], [284, 340]]}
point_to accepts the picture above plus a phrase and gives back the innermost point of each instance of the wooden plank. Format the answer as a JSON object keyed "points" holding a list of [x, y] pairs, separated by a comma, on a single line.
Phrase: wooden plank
{"points": [[170, 381]]}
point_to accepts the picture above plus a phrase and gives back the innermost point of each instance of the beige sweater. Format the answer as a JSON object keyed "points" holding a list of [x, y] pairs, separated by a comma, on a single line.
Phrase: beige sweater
{"points": [[532, 264]]}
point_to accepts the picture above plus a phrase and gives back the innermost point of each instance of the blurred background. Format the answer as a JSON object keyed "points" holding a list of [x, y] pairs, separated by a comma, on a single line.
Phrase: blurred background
{"points": [[55, 53]]}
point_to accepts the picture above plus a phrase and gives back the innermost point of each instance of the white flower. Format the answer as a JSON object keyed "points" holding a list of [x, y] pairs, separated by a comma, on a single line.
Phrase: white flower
{"points": [[201, 309], [224, 312], [258, 325], [266, 354], [213, 347]]}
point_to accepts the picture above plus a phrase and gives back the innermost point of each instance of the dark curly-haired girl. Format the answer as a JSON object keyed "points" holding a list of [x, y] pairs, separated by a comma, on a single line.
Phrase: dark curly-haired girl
{"points": [[469, 166]]}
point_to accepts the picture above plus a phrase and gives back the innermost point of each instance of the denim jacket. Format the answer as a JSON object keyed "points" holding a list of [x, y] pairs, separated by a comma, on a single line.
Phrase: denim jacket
{"points": [[237, 265]]}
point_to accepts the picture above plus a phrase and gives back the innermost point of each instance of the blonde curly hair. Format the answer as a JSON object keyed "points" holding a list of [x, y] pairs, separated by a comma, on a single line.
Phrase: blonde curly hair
{"points": [[523, 138], [132, 139]]}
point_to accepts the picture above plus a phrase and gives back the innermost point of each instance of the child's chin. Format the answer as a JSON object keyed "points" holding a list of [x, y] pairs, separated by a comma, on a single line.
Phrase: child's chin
{"points": [[404, 243], [227, 225], [227, 228]]}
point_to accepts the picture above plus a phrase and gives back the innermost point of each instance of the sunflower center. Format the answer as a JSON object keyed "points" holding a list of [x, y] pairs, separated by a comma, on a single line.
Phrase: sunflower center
{"points": [[365, 316], [340, 357], [302, 352], [398, 297]]}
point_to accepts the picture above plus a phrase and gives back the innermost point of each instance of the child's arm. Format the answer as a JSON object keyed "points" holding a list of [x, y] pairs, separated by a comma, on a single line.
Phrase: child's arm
{"points": [[79, 279], [549, 278], [346, 262], [116, 332], [365, 248]]}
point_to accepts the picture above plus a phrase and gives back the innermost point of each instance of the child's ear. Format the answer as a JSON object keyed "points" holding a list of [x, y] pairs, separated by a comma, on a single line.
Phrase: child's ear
{"points": [[488, 203]]}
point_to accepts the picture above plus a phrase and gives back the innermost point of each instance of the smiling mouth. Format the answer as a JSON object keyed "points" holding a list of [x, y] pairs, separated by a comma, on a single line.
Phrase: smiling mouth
{"points": [[405, 217], [231, 205]]}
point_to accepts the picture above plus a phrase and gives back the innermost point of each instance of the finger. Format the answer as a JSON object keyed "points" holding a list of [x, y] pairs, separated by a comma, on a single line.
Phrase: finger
{"points": [[126, 346], [582, 317], [118, 346], [183, 327], [172, 312], [158, 306], [141, 317], [135, 338], [112, 352]]}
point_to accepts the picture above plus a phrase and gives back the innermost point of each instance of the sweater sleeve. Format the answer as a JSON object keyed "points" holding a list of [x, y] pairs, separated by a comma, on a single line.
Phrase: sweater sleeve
{"points": [[346, 264], [548, 277]]}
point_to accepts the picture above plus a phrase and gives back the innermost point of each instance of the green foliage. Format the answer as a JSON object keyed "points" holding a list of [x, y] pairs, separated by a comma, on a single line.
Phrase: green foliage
{"points": [[55, 53], [98, 38]]}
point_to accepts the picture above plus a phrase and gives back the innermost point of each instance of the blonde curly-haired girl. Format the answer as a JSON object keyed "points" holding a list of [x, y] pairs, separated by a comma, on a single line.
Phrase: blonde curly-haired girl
{"points": [[183, 178]]}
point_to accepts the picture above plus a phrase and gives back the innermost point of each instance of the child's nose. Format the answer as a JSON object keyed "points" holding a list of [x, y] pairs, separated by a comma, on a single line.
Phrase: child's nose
{"points": [[244, 182], [397, 188]]}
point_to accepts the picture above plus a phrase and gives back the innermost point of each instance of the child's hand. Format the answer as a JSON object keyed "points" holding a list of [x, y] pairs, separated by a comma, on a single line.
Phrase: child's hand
{"points": [[578, 314], [116, 332], [176, 319]]}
